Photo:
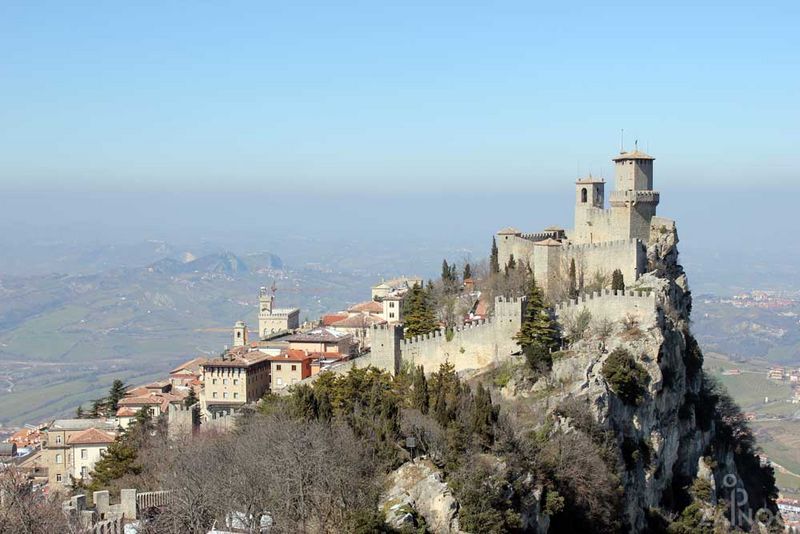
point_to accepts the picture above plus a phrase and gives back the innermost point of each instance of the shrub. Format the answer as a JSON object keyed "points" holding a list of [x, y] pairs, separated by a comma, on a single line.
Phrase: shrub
{"points": [[625, 376]]}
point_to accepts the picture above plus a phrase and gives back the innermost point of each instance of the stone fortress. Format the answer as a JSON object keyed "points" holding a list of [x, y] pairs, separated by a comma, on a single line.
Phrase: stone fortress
{"points": [[603, 240]]}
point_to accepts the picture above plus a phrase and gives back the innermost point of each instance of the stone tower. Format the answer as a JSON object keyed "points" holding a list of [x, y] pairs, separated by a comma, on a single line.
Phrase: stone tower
{"points": [[239, 334], [589, 205], [386, 347], [634, 201], [265, 301]]}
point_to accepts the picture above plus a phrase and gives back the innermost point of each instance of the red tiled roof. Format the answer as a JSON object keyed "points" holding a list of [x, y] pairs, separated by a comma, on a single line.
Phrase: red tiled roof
{"points": [[292, 355], [358, 321], [192, 366], [90, 436], [369, 306], [126, 411], [329, 319]]}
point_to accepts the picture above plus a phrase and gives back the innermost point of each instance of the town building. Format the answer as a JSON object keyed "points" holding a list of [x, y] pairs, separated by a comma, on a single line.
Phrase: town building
{"points": [[322, 339], [240, 375], [273, 320], [289, 367], [72, 447]]}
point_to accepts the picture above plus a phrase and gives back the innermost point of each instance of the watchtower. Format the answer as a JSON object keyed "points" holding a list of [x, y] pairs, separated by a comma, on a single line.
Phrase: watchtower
{"points": [[634, 201], [239, 334]]}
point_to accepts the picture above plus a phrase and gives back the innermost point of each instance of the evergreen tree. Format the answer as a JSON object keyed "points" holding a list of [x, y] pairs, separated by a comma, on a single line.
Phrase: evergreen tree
{"points": [[537, 324], [483, 416], [325, 408], [511, 265], [418, 313], [445, 272], [617, 281], [573, 280], [98, 408], [494, 259], [419, 395], [79, 412], [467, 271], [120, 457], [115, 394], [191, 399]]}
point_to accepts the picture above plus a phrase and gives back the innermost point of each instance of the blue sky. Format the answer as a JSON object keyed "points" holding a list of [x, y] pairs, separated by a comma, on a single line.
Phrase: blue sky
{"points": [[390, 97]]}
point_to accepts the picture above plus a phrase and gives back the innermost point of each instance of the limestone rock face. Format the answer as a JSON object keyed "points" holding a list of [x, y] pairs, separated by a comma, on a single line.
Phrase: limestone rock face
{"points": [[419, 487]]}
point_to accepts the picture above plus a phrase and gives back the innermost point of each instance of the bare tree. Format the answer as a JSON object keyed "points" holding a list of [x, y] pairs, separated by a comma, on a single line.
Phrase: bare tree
{"points": [[24, 509]]}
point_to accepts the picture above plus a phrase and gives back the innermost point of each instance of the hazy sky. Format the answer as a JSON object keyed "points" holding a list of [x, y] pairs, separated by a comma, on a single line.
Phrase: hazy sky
{"points": [[393, 96]]}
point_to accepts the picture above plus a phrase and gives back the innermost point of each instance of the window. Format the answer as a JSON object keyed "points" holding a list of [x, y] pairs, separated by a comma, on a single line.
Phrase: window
{"points": [[58, 440], [84, 454], [214, 395], [583, 195], [391, 304], [279, 381], [84, 471], [213, 381], [294, 368], [235, 395], [225, 395], [235, 381], [59, 459], [391, 315], [224, 381], [58, 477], [278, 367]]}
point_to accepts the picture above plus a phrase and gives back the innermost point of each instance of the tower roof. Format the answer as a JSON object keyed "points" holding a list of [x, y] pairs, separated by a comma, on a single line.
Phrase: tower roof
{"points": [[590, 180], [636, 154]]}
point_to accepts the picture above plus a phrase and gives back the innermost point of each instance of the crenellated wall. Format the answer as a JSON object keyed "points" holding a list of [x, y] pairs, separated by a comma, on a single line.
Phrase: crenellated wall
{"points": [[612, 306]]}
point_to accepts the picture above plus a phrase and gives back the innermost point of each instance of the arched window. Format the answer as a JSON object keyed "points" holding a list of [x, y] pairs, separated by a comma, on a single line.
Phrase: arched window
{"points": [[583, 195]]}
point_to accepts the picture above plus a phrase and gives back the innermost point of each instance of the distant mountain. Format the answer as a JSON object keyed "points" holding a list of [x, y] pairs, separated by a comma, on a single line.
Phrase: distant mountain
{"points": [[218, 263]]}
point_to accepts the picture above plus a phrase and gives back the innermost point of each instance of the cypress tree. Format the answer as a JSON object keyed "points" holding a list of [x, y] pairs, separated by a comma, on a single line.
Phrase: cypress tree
{"points": [[445, 272], [573, 280], [191, 399], [494, 259], [467, 271], [537, 325], [419, 317], [419, 395], [511, 265], [79, 412], [617, 281]]}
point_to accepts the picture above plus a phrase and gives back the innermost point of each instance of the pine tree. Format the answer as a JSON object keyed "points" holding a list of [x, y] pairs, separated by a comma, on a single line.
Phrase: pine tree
{"points": [[418, 314], [537, 325], [494, 258], [617, 281], [573, 280], [98, 408], [467, 271], [116, 394], [79, 412], [445, 272], [191, 399], [120, 457], [419, 396]]}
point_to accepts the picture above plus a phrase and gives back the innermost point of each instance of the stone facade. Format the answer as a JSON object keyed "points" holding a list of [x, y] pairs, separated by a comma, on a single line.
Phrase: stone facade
{"points": [[272, 320], [603, 239]]}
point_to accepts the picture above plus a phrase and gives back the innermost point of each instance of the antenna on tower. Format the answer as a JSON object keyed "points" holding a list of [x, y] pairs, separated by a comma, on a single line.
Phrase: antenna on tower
{"points": [[621, 140], [274, 288], [636, 145]]}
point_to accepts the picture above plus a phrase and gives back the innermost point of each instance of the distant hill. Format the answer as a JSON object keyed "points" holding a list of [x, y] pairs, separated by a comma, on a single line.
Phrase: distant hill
{"points": [[221, 263]]}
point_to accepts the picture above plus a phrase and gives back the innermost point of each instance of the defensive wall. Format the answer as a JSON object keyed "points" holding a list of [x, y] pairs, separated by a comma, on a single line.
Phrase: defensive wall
{"points": [[612, 306], [627, 255]]}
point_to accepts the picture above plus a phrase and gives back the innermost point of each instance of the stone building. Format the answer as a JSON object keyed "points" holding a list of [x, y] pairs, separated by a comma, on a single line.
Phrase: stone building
{"points": [[238, 376], [72, 447], [272, 320], [603, 239]]}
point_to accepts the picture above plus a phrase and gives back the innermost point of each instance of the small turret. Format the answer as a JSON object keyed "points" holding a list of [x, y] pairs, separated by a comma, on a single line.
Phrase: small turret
{"points": [[239, 334]]}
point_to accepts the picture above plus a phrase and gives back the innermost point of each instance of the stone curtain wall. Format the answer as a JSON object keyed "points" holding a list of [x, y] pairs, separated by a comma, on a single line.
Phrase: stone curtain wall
{"points": [[629, 256], [612, 306]]}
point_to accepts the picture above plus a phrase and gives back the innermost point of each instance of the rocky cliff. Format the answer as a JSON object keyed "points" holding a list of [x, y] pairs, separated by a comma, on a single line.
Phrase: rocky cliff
{"points": [[678, 451]]}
